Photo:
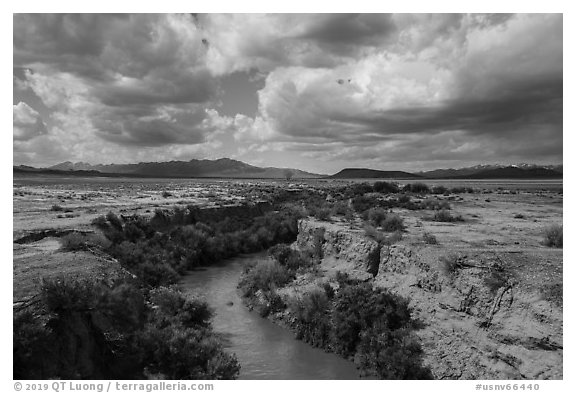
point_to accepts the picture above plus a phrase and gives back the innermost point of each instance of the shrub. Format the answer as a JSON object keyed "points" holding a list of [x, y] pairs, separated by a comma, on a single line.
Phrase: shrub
{"points": [[312, 312], [449, 264], [385, 187], [359, 307], [340, 208], [495, 280], [392, 223], [266, 275], [445, 216], [175, 352], [438, 190], [76, 241], [57, 208], [391, 354], [376, 216], [519, 216], [429, 238], [100, 222], [363, 203], [166, 194], [433, 204], [404, 198], [373, 233], [322, 214], [553, 236], [172, 307], [417, 188], [394, 237]]}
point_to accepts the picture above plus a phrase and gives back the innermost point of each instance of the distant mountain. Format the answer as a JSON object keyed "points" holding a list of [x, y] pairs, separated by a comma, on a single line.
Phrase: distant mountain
{"points": [[362, 173], [513, 172], [495, 171], [221, 168]]}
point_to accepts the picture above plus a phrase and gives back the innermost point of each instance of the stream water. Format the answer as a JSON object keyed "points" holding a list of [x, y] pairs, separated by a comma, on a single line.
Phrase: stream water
{"points": [[264, 350]]}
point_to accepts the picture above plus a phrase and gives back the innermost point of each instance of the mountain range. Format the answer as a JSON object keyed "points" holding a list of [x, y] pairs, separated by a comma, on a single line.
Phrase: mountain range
{"points": [[228, 168], [220, 168]]}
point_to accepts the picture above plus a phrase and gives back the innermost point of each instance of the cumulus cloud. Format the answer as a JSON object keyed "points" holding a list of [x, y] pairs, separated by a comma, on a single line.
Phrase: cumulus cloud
{"points": [[501, 83], [27, 122]]}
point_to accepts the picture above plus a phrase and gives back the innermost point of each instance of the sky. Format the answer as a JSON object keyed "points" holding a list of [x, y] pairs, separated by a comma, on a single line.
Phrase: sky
{"points": [[317, 92]]}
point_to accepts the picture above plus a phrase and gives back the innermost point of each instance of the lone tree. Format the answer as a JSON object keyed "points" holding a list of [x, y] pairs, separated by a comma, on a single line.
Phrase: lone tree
{"points": [[288, 174]]}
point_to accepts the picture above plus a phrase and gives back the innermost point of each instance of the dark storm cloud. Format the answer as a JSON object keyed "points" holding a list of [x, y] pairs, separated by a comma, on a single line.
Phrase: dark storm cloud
{"points": [[119, 71], [350, 29], [522, 104], [146, 126]]}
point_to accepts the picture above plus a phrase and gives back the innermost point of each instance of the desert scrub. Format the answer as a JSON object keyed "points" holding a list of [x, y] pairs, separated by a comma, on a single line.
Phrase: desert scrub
{"points": [[417, 188], [264, 276], [311, 310], [429, 238], [553, 236], [291, 259], [445, 216], [118, 330], [322, 214], [385, 187], [377, 216], [495, 280], [450, 263], [77, 241], [57, 208], [392, 223]]}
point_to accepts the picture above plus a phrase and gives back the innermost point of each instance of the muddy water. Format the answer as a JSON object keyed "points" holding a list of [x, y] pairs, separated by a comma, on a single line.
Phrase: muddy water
{"points": [[264, 350]]}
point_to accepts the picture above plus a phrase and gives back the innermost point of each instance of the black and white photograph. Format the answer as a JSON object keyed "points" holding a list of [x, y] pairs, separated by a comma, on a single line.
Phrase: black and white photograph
{"points": [[287, 196]]}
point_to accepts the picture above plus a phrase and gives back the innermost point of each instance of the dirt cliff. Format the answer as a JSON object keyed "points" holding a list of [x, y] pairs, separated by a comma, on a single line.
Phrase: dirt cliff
{"points": [[484, 312]]}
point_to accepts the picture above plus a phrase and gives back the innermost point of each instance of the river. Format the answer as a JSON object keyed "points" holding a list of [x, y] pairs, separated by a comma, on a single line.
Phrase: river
{"points": [[264, 350]]}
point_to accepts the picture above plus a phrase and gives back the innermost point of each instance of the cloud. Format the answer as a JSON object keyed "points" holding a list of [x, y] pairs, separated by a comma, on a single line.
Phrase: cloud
{"points": [[130, 79], [497, 90], [27, 123], [374, 88]]}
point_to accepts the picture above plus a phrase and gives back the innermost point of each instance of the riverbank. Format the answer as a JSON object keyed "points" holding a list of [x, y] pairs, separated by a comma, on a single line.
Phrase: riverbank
{"points": [[487, 292]]}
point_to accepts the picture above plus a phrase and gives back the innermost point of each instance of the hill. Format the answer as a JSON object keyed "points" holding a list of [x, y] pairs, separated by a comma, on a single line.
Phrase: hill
{"points": [[363, 173]]}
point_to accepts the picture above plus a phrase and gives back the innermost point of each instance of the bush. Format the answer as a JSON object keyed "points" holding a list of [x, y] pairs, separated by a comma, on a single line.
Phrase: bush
{"points": [[322, 214], [312, 312], [438, 190], [495, 280], [377, 216], [76, 241], [359, 307], [429, 238], [391, 354], [385, 187], [374, 233], [417, 188], [340, 208], [553, 236], [166, 194], [363, 203], [449, 264], [265, 276], [404, 198], [392, 223], [57, 208], [172, 307], [445, 216]]}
